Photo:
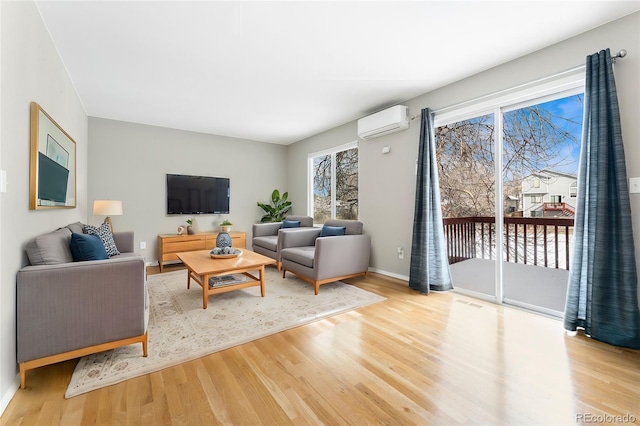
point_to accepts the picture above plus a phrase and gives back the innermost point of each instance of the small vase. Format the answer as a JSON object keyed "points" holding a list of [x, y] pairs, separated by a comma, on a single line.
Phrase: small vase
{"points": [[223, 240], [190, 230]]}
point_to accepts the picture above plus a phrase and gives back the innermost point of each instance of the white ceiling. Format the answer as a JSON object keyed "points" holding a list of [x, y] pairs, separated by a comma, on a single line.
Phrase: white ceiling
{"points": [[281, 71]]}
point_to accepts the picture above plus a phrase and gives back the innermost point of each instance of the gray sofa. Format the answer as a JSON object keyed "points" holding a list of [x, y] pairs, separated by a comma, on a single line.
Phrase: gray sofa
{"points": [[265, 238], [320, 260], [68, 309]]}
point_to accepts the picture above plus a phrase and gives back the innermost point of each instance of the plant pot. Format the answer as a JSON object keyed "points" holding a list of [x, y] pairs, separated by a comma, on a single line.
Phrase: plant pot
{"points": [[226, 228], [190, 230]]}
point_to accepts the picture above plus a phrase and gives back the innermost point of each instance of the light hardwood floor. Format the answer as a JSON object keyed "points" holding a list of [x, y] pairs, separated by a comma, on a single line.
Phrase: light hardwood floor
{"points": [[412, 359]]}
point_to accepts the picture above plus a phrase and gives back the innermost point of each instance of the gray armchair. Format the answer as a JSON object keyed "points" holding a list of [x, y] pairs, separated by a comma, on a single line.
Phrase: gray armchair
{"points": [[265, 236], [320, 260]]}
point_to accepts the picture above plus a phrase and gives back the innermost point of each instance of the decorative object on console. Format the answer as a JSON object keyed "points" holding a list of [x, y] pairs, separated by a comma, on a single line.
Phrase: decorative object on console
{"points": [[278, 209], [193, 227], [107, 208], [52, 173], [181, 230], [226, 225], [223, 240]]}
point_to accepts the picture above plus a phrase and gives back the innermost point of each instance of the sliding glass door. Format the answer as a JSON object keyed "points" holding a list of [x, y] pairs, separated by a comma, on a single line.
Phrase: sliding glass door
{"points": [[541, 147], [508, 181], [466, 167]]}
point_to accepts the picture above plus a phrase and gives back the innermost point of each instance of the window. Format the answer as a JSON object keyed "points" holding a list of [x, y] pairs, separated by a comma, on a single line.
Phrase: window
{"points": [[333, 183], [539, 135]]}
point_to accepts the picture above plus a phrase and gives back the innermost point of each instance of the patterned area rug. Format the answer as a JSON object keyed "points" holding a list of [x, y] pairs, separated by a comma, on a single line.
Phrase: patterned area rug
{"points": [[180, 330]]}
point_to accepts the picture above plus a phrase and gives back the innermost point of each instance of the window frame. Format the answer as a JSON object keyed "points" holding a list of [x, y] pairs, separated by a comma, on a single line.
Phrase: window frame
{"points": [[565, 84], [310, 188]]}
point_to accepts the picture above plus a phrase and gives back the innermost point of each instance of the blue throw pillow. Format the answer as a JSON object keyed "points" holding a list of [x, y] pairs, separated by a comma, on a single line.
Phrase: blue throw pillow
{"points": [[87, 247], [332, 231], [291, 224]]}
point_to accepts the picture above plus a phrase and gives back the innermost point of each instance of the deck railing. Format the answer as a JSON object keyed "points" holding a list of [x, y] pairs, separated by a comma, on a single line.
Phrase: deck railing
{"points": [[528, 240]]}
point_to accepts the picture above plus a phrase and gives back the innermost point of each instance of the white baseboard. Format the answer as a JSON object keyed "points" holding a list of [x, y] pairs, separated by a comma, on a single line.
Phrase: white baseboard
{"points": [[534, 308], [475, 294], [11, 391], [389, 274]]}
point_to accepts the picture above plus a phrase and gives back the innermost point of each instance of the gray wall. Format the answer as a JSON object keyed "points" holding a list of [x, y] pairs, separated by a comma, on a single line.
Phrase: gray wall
{"points": [[30, 70], [129, 162], [387, 182]]}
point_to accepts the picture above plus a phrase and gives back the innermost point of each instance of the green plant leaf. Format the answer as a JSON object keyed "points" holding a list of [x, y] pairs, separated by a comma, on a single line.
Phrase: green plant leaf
{"points": [[278, 208]]}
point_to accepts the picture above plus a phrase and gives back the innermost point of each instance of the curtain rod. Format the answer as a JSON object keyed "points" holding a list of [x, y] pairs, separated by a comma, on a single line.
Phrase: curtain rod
{"points": [[621, 54]]}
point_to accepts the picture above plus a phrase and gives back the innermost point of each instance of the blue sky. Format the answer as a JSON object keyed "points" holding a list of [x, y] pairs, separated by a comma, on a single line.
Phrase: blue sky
{"points": [[570, 108]]}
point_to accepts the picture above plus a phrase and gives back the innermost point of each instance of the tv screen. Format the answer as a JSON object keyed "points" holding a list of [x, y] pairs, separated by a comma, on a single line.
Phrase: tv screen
{"points": [[197, 194]]}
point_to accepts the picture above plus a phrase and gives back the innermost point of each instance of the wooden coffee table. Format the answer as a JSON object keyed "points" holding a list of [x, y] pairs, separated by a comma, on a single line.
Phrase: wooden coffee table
{"points": [[201, 267]]}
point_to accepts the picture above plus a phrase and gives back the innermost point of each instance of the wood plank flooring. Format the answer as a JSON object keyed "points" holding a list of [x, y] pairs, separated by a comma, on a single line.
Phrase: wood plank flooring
{"points": [[440, 359]]}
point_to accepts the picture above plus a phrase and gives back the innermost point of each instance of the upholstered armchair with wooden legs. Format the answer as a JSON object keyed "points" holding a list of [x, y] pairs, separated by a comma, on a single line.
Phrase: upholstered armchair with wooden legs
{"points": [[265, 235], [323, 259]]}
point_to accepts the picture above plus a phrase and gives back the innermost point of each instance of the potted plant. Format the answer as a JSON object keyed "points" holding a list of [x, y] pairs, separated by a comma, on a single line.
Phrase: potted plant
{"points": [[189, 228], [226, 225], [279, 207]]}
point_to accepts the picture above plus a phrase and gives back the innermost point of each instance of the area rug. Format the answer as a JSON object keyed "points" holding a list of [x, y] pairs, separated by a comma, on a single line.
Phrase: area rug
{"points": [[180, 330]]}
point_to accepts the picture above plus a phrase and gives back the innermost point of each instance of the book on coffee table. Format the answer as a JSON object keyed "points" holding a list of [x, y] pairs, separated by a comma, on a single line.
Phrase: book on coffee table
{"points": [[223, 280]]}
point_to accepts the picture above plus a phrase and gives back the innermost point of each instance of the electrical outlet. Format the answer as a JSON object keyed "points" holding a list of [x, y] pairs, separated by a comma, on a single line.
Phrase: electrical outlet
{"points": [[143, 245], [634, 185], [400, 253]]}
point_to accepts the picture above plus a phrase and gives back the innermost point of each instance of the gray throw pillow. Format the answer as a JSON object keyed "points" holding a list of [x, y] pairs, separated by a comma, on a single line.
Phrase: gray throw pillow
{"points": [[76, 227], [51, 248], [104, 232]]}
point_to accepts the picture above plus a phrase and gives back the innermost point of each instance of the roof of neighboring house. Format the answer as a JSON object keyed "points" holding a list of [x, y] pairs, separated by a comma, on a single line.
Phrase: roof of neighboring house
{"points": [[547, 173]]}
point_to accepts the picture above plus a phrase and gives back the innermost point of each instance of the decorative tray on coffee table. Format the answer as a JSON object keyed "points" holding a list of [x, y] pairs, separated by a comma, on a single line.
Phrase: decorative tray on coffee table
{"points": [[224, 253]]}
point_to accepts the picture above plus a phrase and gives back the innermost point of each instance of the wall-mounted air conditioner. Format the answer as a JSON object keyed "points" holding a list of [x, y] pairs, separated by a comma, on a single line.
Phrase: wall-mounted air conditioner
{"points": [[384, 122]]}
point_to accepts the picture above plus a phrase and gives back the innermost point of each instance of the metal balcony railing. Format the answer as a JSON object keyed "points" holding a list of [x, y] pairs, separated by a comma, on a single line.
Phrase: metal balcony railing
{"points": [[528, 240]]}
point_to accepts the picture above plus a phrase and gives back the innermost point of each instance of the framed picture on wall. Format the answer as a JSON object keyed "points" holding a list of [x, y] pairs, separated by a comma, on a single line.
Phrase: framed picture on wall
{"points": [[52, 173]]}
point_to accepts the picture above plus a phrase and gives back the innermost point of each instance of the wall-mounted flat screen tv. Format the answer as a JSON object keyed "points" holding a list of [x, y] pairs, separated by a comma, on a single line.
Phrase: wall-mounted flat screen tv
{"points": [[188, 194]]}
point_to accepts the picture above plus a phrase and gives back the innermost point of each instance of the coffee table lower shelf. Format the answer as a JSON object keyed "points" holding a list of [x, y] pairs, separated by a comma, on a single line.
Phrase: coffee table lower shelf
{"points": [[223, 288], [201, 268]]}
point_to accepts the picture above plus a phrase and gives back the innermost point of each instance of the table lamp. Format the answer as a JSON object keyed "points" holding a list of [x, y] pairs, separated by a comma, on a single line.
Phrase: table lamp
{"points": [[107, 208]]}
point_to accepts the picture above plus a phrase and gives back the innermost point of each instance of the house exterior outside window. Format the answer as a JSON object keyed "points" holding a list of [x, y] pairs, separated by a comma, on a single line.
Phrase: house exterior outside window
{"points": [[553, 197]]}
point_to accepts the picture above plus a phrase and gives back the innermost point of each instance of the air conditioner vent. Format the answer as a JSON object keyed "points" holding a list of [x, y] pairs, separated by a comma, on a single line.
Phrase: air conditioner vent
{"points": [[384, 122]]}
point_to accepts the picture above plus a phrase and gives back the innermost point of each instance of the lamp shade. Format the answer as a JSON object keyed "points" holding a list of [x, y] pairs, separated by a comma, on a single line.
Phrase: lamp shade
{"points": [[107, 208]]}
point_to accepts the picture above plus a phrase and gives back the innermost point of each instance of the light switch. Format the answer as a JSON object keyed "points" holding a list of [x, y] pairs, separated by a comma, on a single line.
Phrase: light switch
{"points": [[634, 185]]}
